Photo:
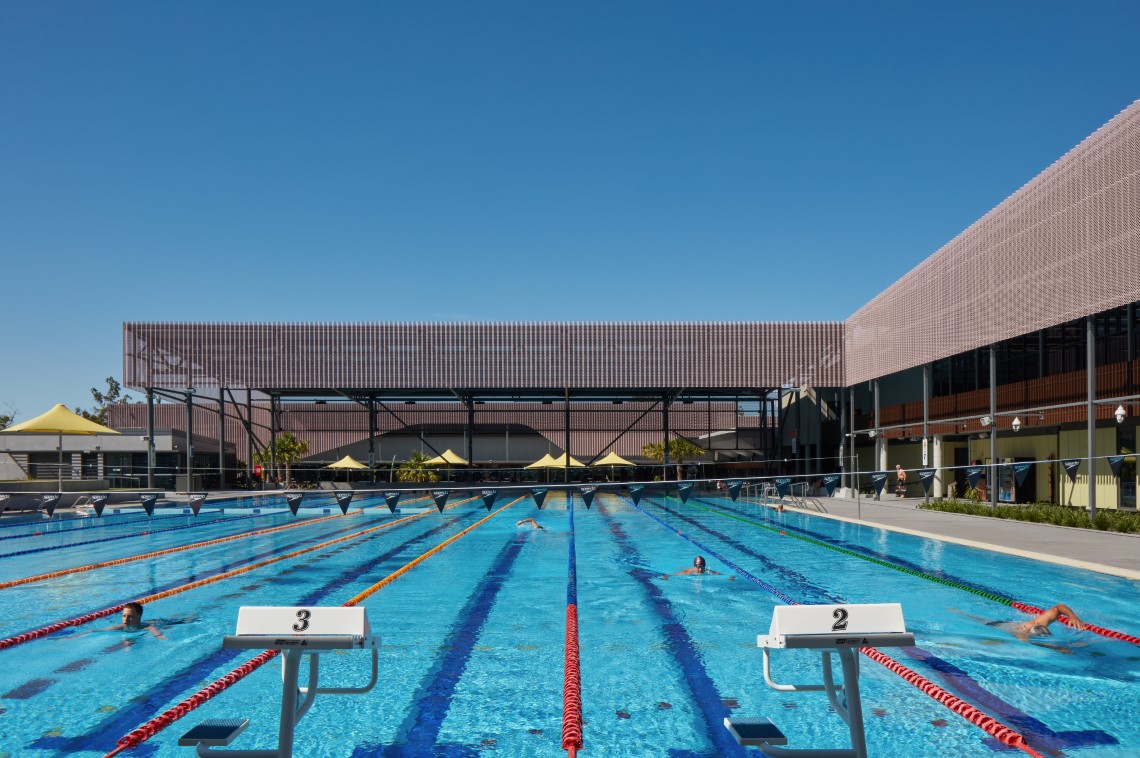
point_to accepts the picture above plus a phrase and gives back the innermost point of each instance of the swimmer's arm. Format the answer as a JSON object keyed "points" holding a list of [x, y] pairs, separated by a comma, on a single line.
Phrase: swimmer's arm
{"points": [[155, 631]]}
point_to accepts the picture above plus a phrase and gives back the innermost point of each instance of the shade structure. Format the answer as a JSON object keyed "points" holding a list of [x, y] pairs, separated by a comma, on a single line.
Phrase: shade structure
{"points": [[560, 462], [60, 421], [347, 462], [447, 458], [543, 462], [613, 459]]}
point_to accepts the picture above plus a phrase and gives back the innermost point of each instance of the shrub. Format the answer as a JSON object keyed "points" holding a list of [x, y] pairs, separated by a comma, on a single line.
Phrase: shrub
{"points": [[1044, 513]]}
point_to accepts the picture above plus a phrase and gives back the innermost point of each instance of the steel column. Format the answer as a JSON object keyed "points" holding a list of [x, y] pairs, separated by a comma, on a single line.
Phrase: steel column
{"points": [[1090, 371], [150, 438], [992, 476]]}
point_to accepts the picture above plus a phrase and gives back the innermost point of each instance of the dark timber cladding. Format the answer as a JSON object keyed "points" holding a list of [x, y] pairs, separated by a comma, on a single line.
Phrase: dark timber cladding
{"points": [[484, 358]]}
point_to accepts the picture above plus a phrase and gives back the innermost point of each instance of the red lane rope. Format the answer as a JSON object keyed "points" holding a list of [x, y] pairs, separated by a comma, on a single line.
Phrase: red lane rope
{"points": [[990, 725], [572, 687], [165, 719], [1110, 633]]}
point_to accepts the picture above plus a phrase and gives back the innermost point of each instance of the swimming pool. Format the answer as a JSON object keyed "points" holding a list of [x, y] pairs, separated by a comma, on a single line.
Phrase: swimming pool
{"points": [[473, 637]]}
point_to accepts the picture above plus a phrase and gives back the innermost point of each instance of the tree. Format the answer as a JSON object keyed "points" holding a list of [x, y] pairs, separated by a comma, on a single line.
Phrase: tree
{"points": [[104, 400], [8, 418], [287, 450], [416, 469], [679, 449]]}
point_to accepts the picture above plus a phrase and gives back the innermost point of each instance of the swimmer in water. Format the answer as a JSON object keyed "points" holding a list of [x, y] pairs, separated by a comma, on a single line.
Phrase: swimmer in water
{"points": [[529, 521], [698, 567], [1036, 627], [132, 621]]}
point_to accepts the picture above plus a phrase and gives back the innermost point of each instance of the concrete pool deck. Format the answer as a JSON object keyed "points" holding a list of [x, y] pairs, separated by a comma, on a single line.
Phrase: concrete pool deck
{"points": [[1104, 552]]}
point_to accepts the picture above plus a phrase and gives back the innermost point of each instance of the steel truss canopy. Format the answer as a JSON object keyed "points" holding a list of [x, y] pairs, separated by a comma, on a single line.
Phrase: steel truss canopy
{"points": [[413, 362]]}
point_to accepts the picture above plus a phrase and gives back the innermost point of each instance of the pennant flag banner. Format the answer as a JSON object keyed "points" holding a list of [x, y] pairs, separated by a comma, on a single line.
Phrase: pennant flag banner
{"points": [[926, 476], [343, 499], [783, 483], [587, 494], [684, 490], [100, 502], [49, 503], [4, 502], [489, 497], [635, 491], [440, 498], [391, 498], [1115, 462], [734, 486], [539, 494], [196, 500], [1071, 465], [148, 500], [1021, 470], [293, 499], [878, 481], [973, 474], [830, 481]]}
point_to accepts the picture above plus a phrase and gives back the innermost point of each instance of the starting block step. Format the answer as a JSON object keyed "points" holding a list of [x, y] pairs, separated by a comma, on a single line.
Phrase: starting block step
{"points": [[753, 731], [214, 732]]}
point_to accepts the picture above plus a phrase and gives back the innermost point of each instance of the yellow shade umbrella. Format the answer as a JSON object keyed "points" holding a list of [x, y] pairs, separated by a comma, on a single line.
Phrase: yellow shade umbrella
{"points": [[347, 462], [613, 459], [447, 458], [543, 462], [60, 421], [560, 462]]}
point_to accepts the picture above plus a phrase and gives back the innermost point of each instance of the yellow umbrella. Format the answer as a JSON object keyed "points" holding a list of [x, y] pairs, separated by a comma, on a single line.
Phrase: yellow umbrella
{"points": [[61, 421], [347, 462], [560, 462], [543, 462], [613, 459], [448, 458]]}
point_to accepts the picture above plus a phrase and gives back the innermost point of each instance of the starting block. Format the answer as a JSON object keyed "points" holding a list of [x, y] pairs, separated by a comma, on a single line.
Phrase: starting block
{"points": [[296, 632], [839, 629]]}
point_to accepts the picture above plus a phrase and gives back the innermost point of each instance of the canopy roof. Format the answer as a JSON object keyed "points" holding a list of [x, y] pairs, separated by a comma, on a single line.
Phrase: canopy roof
{"points": [[560, 462], [613, 459], [543, 462], [60, 420], [448, 458]]}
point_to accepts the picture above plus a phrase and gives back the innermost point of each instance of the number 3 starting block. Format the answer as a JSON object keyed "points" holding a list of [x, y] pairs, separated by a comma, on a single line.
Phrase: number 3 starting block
{"points": [[840, 629], [296, 632]]}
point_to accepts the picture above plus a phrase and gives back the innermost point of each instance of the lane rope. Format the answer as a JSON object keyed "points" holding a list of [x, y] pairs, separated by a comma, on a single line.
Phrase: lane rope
{"points": [[572, 676], [88, 617], [988, 724], [165, 719]]}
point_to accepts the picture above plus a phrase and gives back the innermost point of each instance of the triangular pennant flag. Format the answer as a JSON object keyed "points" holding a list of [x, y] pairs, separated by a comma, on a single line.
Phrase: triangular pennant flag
{"points": [[343, 499], [926, 477], [440, 498], [196, 500], [293, 500], [148, 500], [539, 494], [684, 490], [4, 502], [1021, 470], [489, 497], [587, 494], [829, 482], [734, 486], [878, 481], [100, 502], [1071, 465], [391, 498], [783, 483], [49, 503], [973, 474], [635, 491], [1114, 462]]}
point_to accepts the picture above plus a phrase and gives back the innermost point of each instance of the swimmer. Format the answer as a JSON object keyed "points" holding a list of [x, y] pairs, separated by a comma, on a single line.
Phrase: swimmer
{"points": [[533, 524], [698, 567], [1036, 627], [132, 621]]}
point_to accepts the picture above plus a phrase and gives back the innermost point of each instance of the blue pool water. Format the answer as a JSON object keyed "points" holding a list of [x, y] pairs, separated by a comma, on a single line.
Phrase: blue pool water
{"points": [[473, 637]]}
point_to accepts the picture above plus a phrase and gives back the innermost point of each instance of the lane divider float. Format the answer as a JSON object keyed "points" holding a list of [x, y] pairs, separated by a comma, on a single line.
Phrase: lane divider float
{"points": [[572, 675]]}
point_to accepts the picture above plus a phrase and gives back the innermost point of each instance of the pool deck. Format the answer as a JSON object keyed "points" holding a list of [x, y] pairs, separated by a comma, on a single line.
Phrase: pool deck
{"points": [[1104, 552]]}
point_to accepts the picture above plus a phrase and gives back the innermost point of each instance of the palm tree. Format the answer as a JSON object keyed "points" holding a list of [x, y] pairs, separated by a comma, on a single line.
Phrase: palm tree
{"points": [[287, 450], [679, 449], [416, 469]]}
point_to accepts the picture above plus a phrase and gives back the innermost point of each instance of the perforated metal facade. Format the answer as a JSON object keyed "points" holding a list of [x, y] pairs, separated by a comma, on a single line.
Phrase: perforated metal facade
{"points": [[297, 357], [1065, 245]]}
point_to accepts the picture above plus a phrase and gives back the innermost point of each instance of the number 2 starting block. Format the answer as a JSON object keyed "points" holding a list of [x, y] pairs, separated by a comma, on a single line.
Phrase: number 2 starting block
{"points": [[840, 629], [296, 632]]}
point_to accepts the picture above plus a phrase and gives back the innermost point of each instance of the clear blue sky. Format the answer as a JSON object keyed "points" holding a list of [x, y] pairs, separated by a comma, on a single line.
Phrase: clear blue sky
{"points": [[508, 161]]}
